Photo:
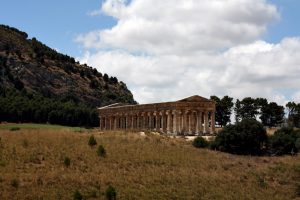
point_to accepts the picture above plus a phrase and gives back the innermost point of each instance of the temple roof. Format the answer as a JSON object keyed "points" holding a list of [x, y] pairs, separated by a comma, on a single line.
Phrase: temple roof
{"points": [[195, 98], [115, 105]]}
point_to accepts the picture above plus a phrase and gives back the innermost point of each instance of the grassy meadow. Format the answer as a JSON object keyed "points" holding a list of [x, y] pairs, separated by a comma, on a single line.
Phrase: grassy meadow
{"points": [[138, 166]]}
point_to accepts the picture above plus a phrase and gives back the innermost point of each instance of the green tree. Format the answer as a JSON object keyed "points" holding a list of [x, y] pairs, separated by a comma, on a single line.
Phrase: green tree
{"points": [[248, 108], [271, 114], [245, 137], [284, 141], [293, 114], [223, 109]]}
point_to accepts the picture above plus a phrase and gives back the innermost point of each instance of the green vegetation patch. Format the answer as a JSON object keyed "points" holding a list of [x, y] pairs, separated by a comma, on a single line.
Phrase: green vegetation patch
{"points": [[14, 127]]}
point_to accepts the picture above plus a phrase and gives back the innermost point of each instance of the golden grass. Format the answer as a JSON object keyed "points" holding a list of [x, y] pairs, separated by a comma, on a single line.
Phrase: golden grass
{"points": [[139, 167]]}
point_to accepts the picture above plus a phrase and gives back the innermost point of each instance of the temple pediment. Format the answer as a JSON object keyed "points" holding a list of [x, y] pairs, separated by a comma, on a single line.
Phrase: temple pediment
{"points": [[195, 98]]}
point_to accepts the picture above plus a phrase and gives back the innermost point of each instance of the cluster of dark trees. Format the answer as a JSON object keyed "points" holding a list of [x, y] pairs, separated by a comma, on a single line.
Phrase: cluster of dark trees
{"points": [[21, 106], [293, 114], [250, 137], [270, 113], [247, 135], [23, 34]]}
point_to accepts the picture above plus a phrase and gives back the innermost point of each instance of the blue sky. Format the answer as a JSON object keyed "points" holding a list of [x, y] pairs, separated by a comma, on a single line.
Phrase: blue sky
{"points": [[288, 24], [200, 57], [57, 23]]}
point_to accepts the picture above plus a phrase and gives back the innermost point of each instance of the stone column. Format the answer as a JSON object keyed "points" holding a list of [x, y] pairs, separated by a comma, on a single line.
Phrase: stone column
{"points": [[213, 122], [184, 122], [190, 122], [100, 122], [169, 121], [126, 121], [157, 126], [199, 128], [163, 122], [138, 117], [150, 121], [206, 125], [145, 121], [132, 121], [115, 122], [121, 122], [193, 125], [175, 131], [110, 123], [105, 123]]}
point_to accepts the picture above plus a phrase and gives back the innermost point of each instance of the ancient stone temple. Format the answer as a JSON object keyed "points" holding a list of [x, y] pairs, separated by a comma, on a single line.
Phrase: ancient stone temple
{"points": [[189, 116]]}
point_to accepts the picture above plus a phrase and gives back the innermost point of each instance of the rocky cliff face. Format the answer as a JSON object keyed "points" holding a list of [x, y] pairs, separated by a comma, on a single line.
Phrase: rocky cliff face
{"points": [[28, 64]]}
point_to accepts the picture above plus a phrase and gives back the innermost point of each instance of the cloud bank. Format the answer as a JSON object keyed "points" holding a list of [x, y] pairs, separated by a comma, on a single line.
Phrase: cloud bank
{"points": [[167, 50]]}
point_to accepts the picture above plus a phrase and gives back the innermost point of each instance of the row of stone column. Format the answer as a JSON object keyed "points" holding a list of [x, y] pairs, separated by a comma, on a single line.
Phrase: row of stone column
{"points": [[177, 122]]}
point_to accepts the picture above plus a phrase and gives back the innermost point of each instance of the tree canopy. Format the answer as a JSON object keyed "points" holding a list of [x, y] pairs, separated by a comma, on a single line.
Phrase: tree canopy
{"points": [[223, 109], [21, 106], [245, 137]]}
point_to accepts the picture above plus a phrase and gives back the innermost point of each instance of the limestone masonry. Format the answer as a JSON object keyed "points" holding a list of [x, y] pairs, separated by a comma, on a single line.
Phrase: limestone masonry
{"points": [[189, 116]]}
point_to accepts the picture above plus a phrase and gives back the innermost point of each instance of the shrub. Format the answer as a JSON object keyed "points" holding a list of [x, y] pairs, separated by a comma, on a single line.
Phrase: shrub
{"points": [[111, 193], [25, 143], [67, 161], [298, 190], [14, 129], [77, 195], [284, 141], [246, 137], [200, 142], [213, 145], [101, 151], [92, 141], [14, 183]]}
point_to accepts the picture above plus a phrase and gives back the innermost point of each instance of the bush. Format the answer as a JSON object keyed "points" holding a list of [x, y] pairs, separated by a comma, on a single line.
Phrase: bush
{"points": [[284, 141], [111, 193], [101, 151], [67, 161], [14, 129], [25, 143], [200, 142], [213, 145], [246, 137], [14, 183], [77, 195], [298, 190], [92, 141]]}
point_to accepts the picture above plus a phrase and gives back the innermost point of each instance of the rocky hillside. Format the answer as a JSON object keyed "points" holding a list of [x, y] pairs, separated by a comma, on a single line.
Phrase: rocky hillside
{"points": [[29, 64]]}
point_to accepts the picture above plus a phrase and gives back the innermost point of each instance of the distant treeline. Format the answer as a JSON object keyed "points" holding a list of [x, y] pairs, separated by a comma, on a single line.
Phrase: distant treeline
{"points": [[22, 106], [270, 113]]}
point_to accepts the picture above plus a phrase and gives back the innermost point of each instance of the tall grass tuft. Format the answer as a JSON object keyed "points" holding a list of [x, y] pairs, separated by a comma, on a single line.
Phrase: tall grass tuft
{"points": [[14, 183], [111, 193], [77, 195], [67, 161], [92, 141], [101, 151]]}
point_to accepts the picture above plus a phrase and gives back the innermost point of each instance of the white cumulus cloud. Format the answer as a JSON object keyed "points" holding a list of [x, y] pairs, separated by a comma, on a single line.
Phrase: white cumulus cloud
{"points": [[166, 50]]}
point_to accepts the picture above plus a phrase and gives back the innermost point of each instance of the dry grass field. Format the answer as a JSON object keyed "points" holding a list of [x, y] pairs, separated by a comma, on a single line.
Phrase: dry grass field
{"points": [[138, 167]]}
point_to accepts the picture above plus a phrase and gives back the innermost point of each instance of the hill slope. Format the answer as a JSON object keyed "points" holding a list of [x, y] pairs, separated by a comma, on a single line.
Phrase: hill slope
{"points": [[27, 63], [139, 167]]}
